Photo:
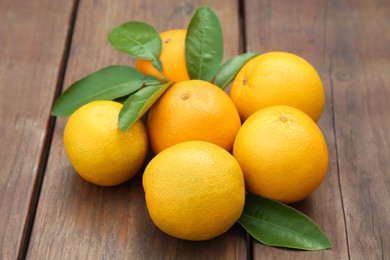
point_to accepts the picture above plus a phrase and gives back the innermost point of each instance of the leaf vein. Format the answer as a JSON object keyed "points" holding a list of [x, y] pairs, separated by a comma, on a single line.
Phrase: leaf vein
{"points": [[280, 227], [141, 44]]}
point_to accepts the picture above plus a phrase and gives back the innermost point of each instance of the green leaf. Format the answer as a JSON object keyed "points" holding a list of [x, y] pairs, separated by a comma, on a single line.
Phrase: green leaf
{"points": [[229, 69], [106, 84], [151, 80], [122, 99], [204, 45], [157, 64], [276, 224], [137, 39], [139, 103]]}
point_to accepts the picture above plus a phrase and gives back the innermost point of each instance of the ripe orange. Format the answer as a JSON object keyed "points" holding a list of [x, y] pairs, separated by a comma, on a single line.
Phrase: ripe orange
{"points": [[193, 110], [278, 78], [172, 57], [98, 151], [282, 153], [194, 190]]}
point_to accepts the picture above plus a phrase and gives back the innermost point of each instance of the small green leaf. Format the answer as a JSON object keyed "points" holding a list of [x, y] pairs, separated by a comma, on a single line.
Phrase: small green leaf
{"points": [[139, 103], [106, 84], [204, 45], [276, 224], [229, 69], [157, 64], [137, 39], [151, 80]]}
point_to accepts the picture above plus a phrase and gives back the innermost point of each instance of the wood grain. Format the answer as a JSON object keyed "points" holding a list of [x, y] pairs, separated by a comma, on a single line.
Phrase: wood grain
{"points": [[302, 28], [32, 44], [348, 43], [77, 220], [359, 54]]}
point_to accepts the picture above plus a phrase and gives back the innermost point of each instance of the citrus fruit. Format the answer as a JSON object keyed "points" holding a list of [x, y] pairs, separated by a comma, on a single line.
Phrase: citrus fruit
{"points": [[278, 78], [194, 190], [99, 152], [282, 153], [193, 110], [172, 57]]}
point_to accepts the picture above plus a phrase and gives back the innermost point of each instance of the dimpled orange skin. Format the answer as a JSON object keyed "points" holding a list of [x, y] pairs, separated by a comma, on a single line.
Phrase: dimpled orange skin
{"points": [[278, 78], [193, 110], [172, 57], [98, 151], [282, 153], [194, 190]]}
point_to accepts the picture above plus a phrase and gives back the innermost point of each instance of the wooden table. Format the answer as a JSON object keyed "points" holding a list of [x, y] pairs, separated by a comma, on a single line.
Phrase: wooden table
{"points": [[48, 212]]}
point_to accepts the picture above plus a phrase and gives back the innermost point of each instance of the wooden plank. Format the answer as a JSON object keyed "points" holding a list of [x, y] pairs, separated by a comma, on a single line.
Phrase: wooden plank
{"points": [[77, 220], [302, 28], [32, 44], [359, 66]]}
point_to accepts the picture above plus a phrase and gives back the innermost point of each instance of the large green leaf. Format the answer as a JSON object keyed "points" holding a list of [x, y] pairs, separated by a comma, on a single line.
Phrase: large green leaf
{"points": [[230, 68], [204, 45], [276, 224], [137, 39], [139, 103], [106, 84]]}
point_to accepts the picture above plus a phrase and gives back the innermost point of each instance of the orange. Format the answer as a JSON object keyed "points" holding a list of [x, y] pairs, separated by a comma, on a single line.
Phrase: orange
{"points": [[193, 110], [194, 190], [172, 57], [278, 78], [282, 153], [99, 152]]}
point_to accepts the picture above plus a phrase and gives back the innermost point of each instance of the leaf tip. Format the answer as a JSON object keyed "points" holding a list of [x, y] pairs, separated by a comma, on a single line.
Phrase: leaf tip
{"points": [[54, 113], [58, 111], [123, 129]]}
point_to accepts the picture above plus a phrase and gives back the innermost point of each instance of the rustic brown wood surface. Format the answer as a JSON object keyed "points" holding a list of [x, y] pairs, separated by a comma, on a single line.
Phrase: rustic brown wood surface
{"points": [[32, 51], [361, 85], [68, 218]]}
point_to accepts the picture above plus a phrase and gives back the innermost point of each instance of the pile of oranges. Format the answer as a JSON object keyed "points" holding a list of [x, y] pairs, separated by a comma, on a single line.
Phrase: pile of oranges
{"points": [[210, 148]]}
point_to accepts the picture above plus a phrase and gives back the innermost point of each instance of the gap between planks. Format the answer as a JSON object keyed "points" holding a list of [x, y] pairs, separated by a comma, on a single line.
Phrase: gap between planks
{"points": [[48, 139]]}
